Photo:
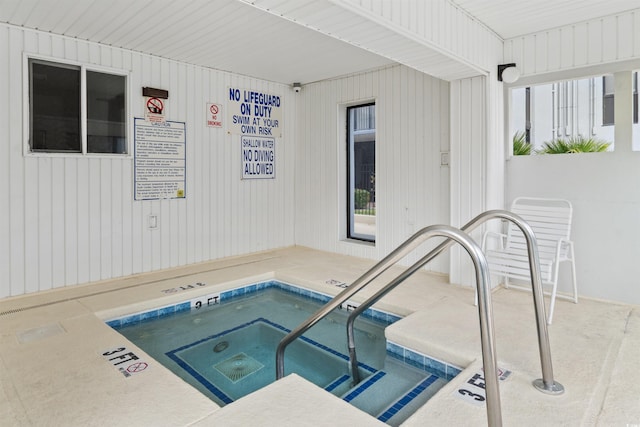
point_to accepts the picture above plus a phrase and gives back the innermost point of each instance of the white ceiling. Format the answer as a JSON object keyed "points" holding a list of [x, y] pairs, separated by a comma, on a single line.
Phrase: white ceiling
{"points": [[284, 41], [512, 18]]}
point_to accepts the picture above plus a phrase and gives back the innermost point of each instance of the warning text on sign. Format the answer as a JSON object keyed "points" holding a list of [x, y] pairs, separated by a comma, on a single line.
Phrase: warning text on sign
{"points": [[258, 157], [254, 113], [160, 160]]}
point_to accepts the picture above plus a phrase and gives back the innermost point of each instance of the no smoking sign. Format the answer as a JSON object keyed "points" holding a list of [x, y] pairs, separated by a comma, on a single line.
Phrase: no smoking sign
{"points": [[214, 115], [154, 110], [137, 367]]}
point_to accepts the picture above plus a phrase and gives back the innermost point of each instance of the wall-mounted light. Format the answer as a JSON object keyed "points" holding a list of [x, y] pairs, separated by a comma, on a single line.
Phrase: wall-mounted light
{"points": [[297, 87], [155, 93], [508, 73]]}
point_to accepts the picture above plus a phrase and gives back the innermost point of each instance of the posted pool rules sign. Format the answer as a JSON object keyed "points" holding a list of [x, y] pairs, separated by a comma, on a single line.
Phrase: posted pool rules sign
{"points": [[257, 117], [258, 157], [254, 113]]}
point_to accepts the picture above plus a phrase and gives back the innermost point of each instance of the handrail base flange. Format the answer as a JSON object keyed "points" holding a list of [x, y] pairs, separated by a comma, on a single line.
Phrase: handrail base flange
{"points": [[555, 389]]}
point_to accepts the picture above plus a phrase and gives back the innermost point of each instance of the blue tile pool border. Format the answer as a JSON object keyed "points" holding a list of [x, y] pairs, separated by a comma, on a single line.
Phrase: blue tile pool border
{"points": [[132, 319], [229, 295], [426, 363], [421, 361], [405, 355]]}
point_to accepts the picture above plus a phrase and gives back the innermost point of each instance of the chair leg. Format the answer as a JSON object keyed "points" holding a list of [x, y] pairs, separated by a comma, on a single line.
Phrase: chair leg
{"points": [[575, 282], [552, 302]]}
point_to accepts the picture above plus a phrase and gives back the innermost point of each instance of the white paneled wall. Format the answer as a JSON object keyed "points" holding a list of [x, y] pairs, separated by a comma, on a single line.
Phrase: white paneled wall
{"points": [[69, 220], [603, 186], [412, 188], [468, 167], [477, 153], [600, 41]]}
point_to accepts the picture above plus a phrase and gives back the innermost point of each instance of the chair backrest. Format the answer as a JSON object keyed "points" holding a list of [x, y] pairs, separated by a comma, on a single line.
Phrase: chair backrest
{"points": [[550, 220]]}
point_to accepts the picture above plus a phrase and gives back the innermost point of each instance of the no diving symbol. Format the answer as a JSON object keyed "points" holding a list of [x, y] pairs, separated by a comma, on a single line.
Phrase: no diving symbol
{"points": [[213, 109], [155, 105], [137, 367]]}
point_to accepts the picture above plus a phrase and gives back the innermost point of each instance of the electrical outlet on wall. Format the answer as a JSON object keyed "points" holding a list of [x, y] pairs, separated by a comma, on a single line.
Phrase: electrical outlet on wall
{"points": [[444, 158]]}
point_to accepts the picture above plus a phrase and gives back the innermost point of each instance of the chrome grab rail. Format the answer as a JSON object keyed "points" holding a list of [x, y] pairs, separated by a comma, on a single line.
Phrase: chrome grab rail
{"points": [[546, 384], [494, 415]]}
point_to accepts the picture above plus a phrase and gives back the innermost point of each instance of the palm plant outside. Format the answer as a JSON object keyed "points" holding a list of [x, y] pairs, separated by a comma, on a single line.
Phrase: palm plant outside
{"points": [[574, 144], [520, 145]]}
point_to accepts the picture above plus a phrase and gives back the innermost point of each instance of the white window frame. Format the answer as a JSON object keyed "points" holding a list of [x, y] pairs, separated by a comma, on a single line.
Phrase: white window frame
{"points": [[83, 107], [570, 74]]}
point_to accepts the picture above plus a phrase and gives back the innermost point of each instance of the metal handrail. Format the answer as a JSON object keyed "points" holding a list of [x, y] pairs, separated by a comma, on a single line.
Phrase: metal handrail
{"points": [[546, 384], [494, 415]]}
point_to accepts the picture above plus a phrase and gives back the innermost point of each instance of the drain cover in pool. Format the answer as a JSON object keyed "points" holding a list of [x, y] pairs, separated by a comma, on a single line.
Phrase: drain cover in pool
{"points": [[239, 366]]}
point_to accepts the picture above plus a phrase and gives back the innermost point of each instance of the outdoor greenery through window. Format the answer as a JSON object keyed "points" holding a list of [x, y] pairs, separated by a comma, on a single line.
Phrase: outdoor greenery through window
{"points": [[57, 109], [361, 173], [570, 116]]}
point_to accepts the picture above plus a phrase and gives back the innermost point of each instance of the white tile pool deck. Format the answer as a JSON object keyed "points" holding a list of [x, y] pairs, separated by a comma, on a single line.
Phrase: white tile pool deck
{"points": [[52, 371]]}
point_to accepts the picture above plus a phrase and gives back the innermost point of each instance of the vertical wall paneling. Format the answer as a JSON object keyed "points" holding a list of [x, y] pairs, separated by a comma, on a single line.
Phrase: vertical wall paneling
{"points": [[455, 174], [598, 41], [163, 246], [442, 102], [201, 172], [117, 211], [411, 129], [529, 60], [108, 221], [542, 51], [610, 42], [625, 35], [496, 148], [71, 223], [81, 206], [180, 85], [93, 213], [635, 33], [5, 162], [554, 49], [566, 41], [72, 219], [594, 42], [57, 223], [470, 193], [580, 48], [136, 208]]}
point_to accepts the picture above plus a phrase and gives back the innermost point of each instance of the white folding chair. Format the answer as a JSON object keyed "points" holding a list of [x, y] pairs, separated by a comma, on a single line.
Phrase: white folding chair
{"points": [[550, 220]]}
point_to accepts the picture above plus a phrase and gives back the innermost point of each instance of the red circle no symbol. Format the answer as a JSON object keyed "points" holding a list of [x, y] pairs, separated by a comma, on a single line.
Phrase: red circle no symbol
{"points": [[137, 367], [214, 109], [154, 105]]}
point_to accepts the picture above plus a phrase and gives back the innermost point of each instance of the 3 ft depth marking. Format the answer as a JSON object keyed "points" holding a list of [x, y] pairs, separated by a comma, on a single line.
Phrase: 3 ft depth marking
{"points": [[126, 361]]}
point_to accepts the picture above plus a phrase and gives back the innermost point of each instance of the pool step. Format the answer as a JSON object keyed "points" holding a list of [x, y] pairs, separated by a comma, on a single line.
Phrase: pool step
{"points": [[396, 413], [340, 385], [392, 397]]}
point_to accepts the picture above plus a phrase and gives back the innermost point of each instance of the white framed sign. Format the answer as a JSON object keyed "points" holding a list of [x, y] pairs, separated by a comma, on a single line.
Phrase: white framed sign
{"points": [[258, 157]]}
